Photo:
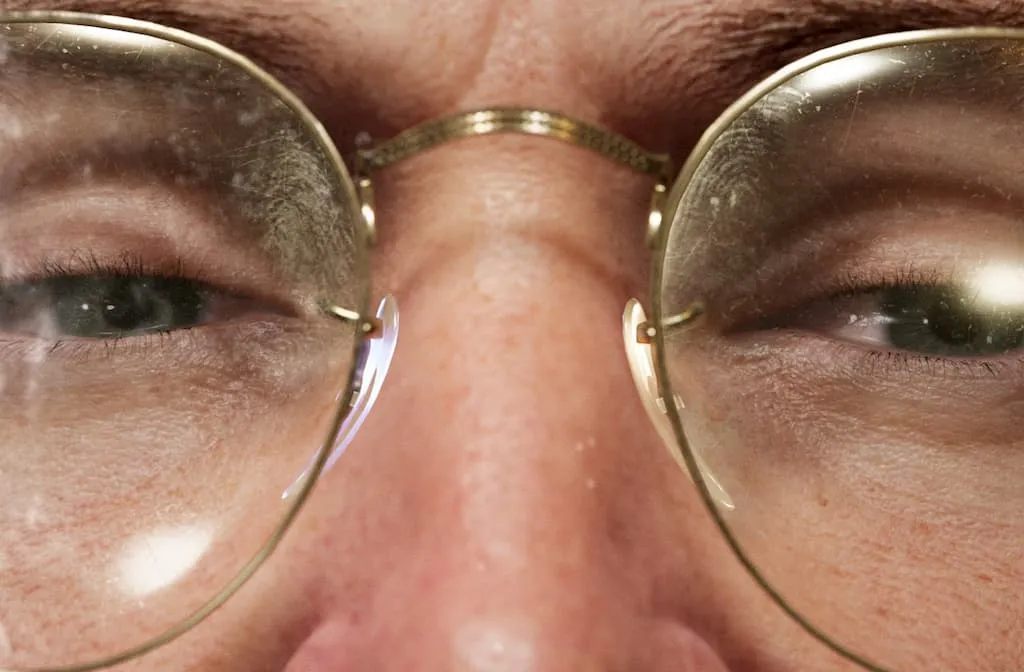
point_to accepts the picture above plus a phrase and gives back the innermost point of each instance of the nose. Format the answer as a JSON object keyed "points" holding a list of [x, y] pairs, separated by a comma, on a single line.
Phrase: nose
{"points": [[513, 507]]}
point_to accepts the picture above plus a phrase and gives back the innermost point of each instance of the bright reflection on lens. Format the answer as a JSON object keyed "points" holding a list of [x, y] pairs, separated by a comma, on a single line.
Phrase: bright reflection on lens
{"points": [[1000, 285], [159, 559], [846, 72], [105, 38]]}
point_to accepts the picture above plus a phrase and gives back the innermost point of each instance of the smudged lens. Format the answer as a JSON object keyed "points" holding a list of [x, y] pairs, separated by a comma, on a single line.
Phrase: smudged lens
{"points": [[169, 226], [854, 235]]}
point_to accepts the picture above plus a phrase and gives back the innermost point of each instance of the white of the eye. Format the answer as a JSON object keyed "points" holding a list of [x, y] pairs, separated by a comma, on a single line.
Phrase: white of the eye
{"points": [[869, 329]]}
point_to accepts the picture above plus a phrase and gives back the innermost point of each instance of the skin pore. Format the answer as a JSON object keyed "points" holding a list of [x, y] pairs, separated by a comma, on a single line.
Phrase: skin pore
{"points": [[508, 505]]}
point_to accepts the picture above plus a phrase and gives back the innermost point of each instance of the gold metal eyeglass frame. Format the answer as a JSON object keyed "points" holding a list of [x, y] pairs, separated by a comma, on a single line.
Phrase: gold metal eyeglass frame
{"points": [[667, 192]]}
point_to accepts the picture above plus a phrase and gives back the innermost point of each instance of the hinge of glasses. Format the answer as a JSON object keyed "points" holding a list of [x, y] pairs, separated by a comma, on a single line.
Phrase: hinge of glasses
{"points": [[647, 331]]}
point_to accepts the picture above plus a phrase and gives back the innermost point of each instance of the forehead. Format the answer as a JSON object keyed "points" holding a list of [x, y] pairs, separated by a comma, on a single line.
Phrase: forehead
{"points": [[632, 65]]}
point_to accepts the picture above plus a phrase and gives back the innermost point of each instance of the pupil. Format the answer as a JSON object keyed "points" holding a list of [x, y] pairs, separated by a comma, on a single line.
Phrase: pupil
{"points": [[127, 307], [944, 321]]}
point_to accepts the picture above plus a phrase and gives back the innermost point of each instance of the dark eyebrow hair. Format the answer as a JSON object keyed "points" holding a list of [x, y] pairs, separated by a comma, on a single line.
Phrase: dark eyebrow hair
{"points": [[744, 30], [738, 42], [733, 44], [276, 38], [782, 31]]}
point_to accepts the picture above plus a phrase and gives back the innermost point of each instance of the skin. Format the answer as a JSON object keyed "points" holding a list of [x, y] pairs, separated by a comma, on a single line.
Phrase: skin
{"points": [[508, 505]]}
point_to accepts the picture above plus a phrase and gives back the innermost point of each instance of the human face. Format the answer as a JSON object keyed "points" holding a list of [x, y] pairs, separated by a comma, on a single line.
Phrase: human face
{"points": [[508, 504]]}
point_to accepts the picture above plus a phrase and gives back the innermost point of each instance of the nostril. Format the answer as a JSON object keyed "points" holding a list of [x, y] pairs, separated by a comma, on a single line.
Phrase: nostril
{"points": [[676, 648], [327, 650]]}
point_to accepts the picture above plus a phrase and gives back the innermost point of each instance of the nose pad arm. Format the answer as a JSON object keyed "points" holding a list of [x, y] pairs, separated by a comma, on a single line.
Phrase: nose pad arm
{"points": [[641, 364], [373, 362]]}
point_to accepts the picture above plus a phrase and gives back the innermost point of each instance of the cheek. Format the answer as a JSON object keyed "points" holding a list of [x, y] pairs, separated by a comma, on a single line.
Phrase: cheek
{"points": [[890, 526], [136, 487]]}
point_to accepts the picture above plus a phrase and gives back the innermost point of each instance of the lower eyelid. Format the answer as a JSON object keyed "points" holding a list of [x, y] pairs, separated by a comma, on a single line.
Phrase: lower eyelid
{"points": [[197, 345], [269, 360], [822, 359]]}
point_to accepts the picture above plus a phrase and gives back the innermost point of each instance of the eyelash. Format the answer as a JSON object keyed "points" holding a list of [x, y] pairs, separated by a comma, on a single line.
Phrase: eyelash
{"points": [[931, 365], [853, 283], [126, 265]]}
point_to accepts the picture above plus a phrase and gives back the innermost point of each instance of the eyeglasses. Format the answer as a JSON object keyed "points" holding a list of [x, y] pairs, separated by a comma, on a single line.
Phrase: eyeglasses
{"points": [[833, 351]]}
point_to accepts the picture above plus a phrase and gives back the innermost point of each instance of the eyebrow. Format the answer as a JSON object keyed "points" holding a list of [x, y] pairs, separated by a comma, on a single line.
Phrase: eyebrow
{"points": [[276, 38], [746, 39], [781, 32]]}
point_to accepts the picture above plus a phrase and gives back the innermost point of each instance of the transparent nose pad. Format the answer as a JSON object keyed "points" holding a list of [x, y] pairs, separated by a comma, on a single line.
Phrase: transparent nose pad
{"points": [[641, 365], [372, 365]]}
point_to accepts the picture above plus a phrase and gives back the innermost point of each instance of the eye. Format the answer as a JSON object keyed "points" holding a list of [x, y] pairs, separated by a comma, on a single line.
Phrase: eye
{"points": [[101, 297], [932, 320], [104, 306]]}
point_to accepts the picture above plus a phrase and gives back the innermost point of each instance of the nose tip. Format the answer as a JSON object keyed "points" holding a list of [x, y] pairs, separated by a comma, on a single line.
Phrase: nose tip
{"points": [[505, 639], [490, 646], [636, 644]]}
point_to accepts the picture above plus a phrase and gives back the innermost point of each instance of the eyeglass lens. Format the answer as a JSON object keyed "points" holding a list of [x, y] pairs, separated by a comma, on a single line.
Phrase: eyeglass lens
{"points": [[854, 383], [169, 227]]}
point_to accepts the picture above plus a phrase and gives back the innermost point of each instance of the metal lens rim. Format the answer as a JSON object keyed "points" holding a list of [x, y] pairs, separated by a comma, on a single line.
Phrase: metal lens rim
{"points": [[676, 195], [361, 255]]}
